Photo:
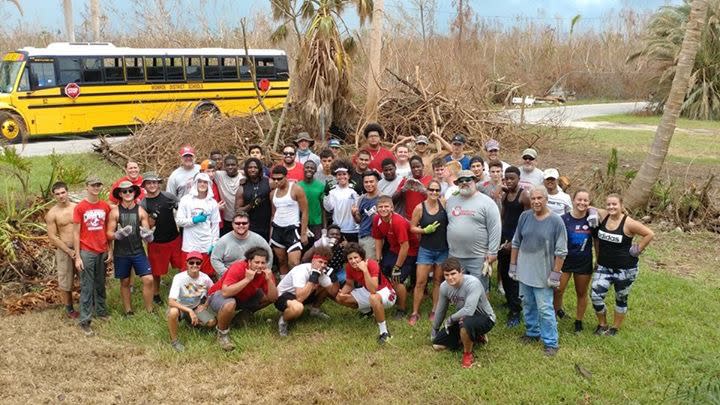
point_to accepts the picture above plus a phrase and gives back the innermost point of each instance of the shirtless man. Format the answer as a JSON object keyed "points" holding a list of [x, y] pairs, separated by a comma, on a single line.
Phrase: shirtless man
{"points": [[59, 222]]}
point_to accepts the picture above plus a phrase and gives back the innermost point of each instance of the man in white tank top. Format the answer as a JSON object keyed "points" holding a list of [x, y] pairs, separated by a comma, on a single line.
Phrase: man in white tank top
{"points": [[288, 203]]}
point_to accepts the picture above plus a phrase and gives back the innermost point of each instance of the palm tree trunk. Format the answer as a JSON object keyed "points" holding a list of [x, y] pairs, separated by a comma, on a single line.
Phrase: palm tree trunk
{"points": [[373, 76], [69, 27], [641, 187], [95, 19]]}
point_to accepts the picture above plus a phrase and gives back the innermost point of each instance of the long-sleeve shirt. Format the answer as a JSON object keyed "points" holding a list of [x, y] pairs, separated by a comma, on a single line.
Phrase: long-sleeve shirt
{"points": [[473, 226], [469, 298], [230, 249], [180, 180], [340, 201], [201, 236], [538, 243]]}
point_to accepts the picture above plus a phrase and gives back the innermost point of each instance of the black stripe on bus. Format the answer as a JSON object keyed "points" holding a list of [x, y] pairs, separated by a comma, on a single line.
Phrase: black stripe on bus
{"points": [[145, 102], [135, 93]]}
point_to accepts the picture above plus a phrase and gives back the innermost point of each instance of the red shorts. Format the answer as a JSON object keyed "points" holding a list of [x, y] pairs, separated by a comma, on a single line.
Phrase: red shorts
{"points": [[163, 255], [206, 267]]}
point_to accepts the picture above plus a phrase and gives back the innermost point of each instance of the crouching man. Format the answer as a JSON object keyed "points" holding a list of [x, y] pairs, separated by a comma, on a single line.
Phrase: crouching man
{"points": [[366, 288], [248, 285], [473, 319], [305, 284], [187, 299]]}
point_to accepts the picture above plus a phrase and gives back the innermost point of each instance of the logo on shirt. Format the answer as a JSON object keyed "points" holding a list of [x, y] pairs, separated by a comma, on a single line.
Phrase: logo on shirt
{"points": [[609, 237], [459, 211], [94, 220]]}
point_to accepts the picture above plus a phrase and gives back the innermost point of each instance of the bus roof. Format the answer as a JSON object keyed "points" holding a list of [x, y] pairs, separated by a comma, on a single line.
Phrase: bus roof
{"points": [[108, 49]]}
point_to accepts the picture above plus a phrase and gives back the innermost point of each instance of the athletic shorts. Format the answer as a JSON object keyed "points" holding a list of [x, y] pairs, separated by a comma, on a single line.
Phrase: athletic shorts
{"points": [[281, 303], [476, 326], [65, 270], [203, 316], [217, 301], [368, 244], [586, 269], [408, 268], [286, 237], [206, 266], [362, 297], [427, 256], [162, 255], [139, 263]]}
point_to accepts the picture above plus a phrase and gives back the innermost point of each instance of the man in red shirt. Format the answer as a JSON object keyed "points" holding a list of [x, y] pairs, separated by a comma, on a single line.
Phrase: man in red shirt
{"points": [[295, 170], [91, 252], [132, 174], [398, 263], [247, 285], [366, 288], [374, 133]]}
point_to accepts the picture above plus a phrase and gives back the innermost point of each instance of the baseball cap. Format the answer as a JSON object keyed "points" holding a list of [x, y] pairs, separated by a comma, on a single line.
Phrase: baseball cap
{"points": [[422, 139], [492, 145], [207, 164], [93, 180], [151, 176], [341, 169], [551, 174], [334, 143], [530, 152], [465, 174], [458, 138], [194, 255], [187, 150]]}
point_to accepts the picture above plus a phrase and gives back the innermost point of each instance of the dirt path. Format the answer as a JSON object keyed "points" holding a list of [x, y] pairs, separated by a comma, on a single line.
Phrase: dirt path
{"points": [[635, 127]]}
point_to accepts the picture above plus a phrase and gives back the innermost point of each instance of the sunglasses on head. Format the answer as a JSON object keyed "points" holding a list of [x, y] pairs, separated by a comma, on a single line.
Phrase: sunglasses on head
{"points": [[194, 263], [241, 223]]}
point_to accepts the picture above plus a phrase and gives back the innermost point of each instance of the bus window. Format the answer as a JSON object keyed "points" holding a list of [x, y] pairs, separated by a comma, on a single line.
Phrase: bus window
{"points": [[212, 68], [42, 75], [193, 69], [229, 68], [154, 69], [92, 72], [113, 70], [70, 71], [264, 66], [244, 69], [174, 69], [24, 84], [281, 67], [134, 69]]}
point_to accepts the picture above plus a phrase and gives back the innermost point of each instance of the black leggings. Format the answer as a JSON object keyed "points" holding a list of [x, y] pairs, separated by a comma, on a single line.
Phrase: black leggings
{"points": [[511, 287]]}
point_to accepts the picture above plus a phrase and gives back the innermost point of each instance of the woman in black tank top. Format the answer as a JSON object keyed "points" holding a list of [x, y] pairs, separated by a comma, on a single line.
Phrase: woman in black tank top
{"points": [[429, 219], [617, 261]]}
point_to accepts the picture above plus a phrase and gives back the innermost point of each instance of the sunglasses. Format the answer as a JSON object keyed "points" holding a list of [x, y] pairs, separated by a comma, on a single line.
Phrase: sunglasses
{"points": [[127, 191], [433, 190], [289, 153], [528, 158], [241, 223], [194, 263], [278, 178], [465, 180]]}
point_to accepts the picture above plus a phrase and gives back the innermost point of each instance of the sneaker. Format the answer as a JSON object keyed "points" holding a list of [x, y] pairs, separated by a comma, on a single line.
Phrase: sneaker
{"points": [[578, 326], [529, 339], [129, 313], [399, 314], [383, 338], [431, 316], [72, 314], [318, 313], [87, 330], [177, 346], [501, 290], [550, 351], [413, 319], [483, 339], [282, 327], [560, 313], [468, 360], [611, 332], [513, 321], [600, 330], [223, 339], [157, 300]]}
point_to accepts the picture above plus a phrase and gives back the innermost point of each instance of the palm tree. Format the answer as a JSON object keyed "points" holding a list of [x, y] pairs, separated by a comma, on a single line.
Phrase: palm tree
{"points": [[662, 44], [69, 27], [641, 187], [95, 19], [373, 74]]}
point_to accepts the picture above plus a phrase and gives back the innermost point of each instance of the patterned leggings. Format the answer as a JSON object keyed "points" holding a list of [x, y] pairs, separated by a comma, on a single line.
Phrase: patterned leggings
{"points": [[621, 279]]}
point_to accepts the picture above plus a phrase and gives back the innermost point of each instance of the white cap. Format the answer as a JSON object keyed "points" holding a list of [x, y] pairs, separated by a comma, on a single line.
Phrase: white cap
{"points": [[551, 174]]}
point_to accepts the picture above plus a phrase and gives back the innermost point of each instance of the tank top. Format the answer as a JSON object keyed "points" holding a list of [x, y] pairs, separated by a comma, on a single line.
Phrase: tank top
{"points": [[287, 210], [437, 240], [258, 194], [614, 248], [131, 245], [511, 215], [579, 242]]}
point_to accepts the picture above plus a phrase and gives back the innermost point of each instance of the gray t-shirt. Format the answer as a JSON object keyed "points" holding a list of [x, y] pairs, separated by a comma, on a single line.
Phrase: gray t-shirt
{"points": [[469, 298], [539, 242], [529, 179], [230, 249], [473, 226], [180, 181], [389, 187]]}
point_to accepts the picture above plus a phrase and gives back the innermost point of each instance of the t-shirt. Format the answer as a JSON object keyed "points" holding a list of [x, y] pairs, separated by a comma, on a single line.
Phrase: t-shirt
{"points": [[538, 243], [298, 277], [229, 249], [189, 291], [389, 187], [377, 156], [367, 206], [314, 193], [403, 171], [559, 203], [464, 161], [473, 226], [396, 231], [137, 182], [236, 273], [162, 208], [579, 235], [358, 277], [340, 201], [468, 298], [227, 187], [180, 180], [297, 173], [413, 198], [92, 218], [530, 179]]}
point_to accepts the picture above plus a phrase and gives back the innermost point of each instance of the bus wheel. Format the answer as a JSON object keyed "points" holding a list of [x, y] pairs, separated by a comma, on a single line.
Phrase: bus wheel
{"points": [[12, 127], [206, 110]]}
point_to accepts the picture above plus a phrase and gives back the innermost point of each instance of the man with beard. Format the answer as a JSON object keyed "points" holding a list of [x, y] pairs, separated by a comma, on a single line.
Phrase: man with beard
{"points": [[529, 174], [59, 221], [295, 171], [314, 191], [473, 228], [181, 179], [228, 183], [232, 246], [253, 197]]}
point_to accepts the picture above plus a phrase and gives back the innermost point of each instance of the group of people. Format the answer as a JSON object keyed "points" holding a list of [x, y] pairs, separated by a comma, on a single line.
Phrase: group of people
{"points": [[359, 229]]}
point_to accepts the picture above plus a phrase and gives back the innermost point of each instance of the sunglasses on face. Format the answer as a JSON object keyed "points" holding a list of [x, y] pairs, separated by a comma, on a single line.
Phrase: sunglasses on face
{"points": [[127, 191], [465, 180], [433, 190], [278, 178], [289, 153], [241, 223], [194, 263], [528, 158]]}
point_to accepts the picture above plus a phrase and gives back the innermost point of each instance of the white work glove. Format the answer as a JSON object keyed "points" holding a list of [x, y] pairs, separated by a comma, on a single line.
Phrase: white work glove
{"points": [[123, 233], [487, 269]]}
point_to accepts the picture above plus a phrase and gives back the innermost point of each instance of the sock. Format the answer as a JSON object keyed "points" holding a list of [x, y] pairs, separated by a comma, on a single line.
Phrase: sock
{"points": [[69, 308], [383, 327], [282, 320]]}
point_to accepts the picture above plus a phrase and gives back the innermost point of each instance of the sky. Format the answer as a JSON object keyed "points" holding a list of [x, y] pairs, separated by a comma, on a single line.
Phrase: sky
{"points": [[47, 14]]}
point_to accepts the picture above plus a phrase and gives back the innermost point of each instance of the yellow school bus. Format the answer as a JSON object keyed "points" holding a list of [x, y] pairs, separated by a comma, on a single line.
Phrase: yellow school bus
{"points": [[79, 88]]}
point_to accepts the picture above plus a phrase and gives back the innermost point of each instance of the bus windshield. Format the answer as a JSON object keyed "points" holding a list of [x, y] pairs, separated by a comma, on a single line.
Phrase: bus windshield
{"points": [[8, 75]]}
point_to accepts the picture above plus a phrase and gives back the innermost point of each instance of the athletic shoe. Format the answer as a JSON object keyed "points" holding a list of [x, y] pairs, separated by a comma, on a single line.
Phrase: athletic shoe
{"points": [[317, 313], [413, 319], [282, 327], [560, 313], [72, 314], [157, 300], [611, 332], [224, 341], [399, 314], [550, 351], [431, 316], [501, 290], [468, 360], [87, 330], [483, 339], [129, 313], [513, 321], [600, 330], [578, 327], [529, 339], [383, 338], [177, 346]]}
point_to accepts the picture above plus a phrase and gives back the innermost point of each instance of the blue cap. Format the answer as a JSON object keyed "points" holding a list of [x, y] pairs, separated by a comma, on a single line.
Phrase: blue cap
{"points": [[334, 143]]}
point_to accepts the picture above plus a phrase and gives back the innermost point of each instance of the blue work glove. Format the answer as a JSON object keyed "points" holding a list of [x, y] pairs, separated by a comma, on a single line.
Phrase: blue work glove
{"points": [[199, 218]]}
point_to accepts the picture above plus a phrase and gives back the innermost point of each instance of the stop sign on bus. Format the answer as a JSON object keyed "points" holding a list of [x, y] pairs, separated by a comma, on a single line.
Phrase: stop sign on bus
{"points": [[72, 90]]}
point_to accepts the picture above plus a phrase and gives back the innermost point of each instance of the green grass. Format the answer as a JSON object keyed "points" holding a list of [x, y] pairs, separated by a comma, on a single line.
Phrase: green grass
{"points": [[669, 339], [633, 119]]}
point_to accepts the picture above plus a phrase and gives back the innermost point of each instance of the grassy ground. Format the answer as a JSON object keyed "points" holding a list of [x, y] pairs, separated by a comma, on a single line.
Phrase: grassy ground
{"points": [[633, 119]]}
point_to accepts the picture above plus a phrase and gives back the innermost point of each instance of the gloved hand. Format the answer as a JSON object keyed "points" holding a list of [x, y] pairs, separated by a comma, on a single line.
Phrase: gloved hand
{"points": [[431, 228], [211, 249], [635, 250], [123, 233], [433, 334], [314, 276], [487, 269], [554, 279], [332, 274], [593, 218], [199, 218], [447, 324], [147, 234], [395, 274], [512, 272]]}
